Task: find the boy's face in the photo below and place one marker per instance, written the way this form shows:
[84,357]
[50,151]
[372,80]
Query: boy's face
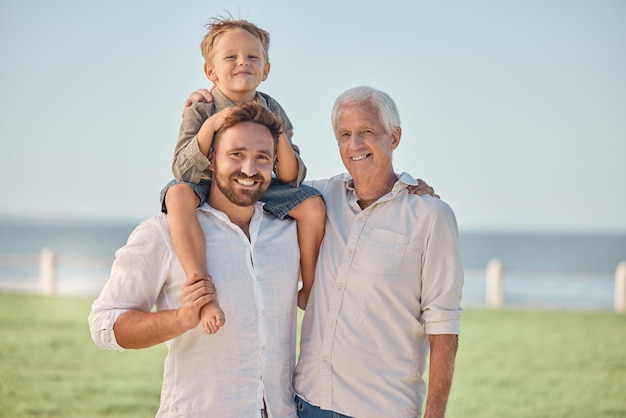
[238,65]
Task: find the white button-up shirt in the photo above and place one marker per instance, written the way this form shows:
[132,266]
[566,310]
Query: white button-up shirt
[387,276]
[251,359]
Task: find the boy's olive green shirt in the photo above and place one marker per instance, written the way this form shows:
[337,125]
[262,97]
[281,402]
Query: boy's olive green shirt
[191,165]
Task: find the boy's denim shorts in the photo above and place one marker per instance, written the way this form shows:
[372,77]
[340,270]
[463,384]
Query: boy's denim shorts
[279,198]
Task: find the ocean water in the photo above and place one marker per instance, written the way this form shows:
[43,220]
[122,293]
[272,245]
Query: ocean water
[83,253]
[543,271]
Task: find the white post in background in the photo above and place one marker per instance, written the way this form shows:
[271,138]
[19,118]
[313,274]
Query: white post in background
[620,287]
[46,272]
[495,284]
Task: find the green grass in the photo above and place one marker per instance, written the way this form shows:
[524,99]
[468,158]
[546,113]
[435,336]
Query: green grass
[510,364]
[540,364]
[49,366]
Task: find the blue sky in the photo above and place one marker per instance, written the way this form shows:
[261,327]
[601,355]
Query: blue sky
[514,111]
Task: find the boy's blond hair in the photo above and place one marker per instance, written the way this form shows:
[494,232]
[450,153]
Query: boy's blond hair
[221,25]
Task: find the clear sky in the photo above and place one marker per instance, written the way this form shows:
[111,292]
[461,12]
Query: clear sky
[514,111]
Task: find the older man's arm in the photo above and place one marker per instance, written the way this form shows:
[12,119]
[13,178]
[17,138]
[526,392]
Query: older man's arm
[443,350]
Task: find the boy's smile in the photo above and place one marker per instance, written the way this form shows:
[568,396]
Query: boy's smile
[238,65]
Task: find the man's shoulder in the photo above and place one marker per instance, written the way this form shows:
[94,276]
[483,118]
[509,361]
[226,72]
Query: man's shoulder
[433,203]
[428,200]
[158,223]
[337,181]
[151,232]
[424,206]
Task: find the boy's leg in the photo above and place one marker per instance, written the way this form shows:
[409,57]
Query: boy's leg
[310,216]
[189,243]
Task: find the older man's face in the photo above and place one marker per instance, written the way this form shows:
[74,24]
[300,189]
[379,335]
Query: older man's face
[364,146]
[242,163]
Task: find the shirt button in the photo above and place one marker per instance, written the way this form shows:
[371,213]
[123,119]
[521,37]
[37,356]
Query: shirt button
[359,220]
[339,285]
[350,250]
[325,357]
[331,322]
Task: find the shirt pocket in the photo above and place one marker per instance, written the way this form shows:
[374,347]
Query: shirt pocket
[382,251]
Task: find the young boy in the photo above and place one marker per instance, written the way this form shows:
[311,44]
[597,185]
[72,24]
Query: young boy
[236,61]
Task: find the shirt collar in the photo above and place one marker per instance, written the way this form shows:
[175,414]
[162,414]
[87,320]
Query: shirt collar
[404,180]
[258,211]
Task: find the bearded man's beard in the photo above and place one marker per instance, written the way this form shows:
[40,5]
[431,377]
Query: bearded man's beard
[240,197]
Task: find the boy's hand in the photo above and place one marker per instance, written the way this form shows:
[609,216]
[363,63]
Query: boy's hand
[218,118]
[422,188]
[209,127]
[200,95]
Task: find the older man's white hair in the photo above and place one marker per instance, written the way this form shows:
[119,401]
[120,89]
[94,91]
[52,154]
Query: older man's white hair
[386,108]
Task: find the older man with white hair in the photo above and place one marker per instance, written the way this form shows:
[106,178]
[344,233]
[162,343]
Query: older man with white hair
[388,281]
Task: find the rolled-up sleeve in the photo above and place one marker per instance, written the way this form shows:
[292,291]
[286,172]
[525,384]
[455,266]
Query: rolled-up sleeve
[101,323]
[139,272]
[442,276]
